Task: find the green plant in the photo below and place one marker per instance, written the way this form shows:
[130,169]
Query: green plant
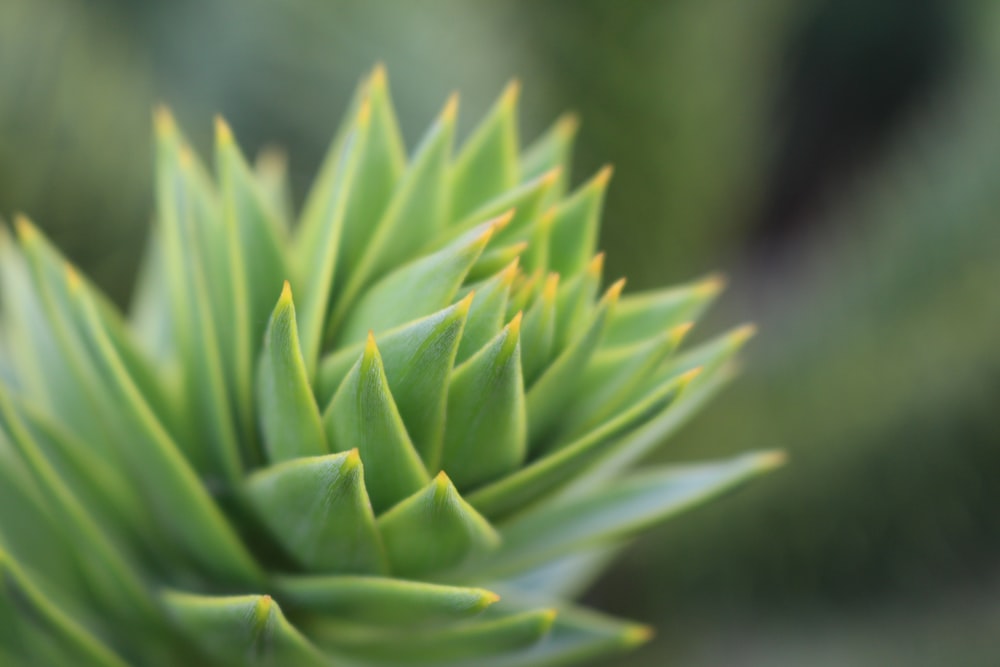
[438,420]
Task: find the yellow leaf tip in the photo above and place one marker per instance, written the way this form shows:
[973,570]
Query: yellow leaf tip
[637,635]
[615,290]
[509,272]
[72,277]
[689,375]
[185,156]
[286,292]
[163,120]
[223,133]
[744,333]
[711,285]
[442,484]
[603,176]
[352,460]
[681,330]
[511,93]
[514,327]
[450,110]
[272,159]
[24,228]
[502,220]
[465,304]
[568,124]
[771,460]
[551,287]
[379,76]
[371,348]
[551,176]
[596,265]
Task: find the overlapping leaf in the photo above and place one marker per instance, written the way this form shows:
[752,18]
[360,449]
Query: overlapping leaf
[440,418]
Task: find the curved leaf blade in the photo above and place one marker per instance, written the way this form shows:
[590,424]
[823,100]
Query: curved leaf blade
[319,510]
[290,420]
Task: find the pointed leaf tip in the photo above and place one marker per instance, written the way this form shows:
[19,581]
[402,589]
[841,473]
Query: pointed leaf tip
[289,416]
[511,93]
[637,636]
[771,460]
[500,222]
[223,133]
[552,175]
[682,330]
[603,176]
[596,265]
[450,110]
[711,285]
[73,280]
[509,272]
[744,333]
[24,228]
[462,307]
[551,287]
[378,76]
[615,290]
[163,120]
[514,327]
[687,376]
[568,124]
[437,510]
[318,510]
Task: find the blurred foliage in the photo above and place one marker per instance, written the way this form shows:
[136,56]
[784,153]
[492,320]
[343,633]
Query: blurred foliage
[674,94]
[878,369]
[841,159]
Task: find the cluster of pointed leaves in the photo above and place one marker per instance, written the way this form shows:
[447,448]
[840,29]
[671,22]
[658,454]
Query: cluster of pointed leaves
[394,433]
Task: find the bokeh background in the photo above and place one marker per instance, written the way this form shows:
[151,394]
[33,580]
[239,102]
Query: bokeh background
[839,160]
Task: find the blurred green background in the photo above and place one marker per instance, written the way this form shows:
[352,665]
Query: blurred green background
[839,160]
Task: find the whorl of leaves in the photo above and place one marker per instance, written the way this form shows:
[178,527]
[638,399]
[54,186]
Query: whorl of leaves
[391,433]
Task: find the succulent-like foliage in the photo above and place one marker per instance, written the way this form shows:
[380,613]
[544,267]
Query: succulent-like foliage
[393,433]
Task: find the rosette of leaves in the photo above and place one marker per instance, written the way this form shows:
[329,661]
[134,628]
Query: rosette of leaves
[392,433]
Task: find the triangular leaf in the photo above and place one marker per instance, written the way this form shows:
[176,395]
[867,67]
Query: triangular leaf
[548,396]
[538,332]
[383,601]
[646,314]
[552,150]
[416,211]
[489,308]
[289,417]
[486,434]
[420,287]
[418,358]
[247,630]
[319,510]
[612,376]
[363,414]
[380,166]
[578,635]
[576,225]
[433,530]
[488,162]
